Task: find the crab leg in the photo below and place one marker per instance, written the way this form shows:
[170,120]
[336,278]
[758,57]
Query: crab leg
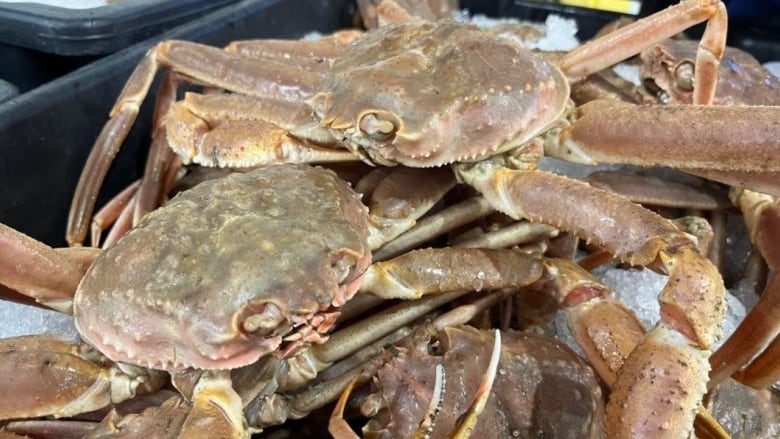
[392,210]
[760,326]
[765,182]
[163,421]
[150,193]
[216,409]
[723,138]
[205,65]
[762,217]
[43,376]
[692,302]
[37,270]
[316,55]
[630,40]
[604,328]
[111,211]
[451,218]
[648,189]
[427,271]
[522,232]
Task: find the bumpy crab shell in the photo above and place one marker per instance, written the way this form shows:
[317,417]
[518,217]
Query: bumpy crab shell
[425,94]
[227,271]
[542,388]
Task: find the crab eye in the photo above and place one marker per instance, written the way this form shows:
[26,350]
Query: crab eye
[684,76]
[380,126]
[264,320]
[343,268]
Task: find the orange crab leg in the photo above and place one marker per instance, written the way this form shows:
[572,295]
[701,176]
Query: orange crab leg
[204,65]
[37,270]
[630,40]
[43,376]
[648,189]
[692,302]
[725,138]
[760,327]
[604,328]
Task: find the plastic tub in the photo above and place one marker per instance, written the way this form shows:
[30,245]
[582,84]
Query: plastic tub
[39,43]
[95,31]
[7,91]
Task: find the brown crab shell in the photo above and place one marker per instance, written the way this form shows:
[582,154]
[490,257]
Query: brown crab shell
[542,388]
[742,80]
[283,244]
[452,92]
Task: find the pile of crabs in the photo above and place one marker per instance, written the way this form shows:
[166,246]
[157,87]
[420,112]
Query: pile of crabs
[353,231]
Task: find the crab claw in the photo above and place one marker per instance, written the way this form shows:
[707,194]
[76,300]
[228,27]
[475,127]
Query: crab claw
[43,376]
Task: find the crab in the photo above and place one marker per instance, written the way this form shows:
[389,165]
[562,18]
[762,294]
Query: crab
[223,288]
[568,399]
[172,306]
[411,94]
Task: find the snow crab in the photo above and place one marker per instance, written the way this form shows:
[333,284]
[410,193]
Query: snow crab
[216,280]
[412,94]
[567,400]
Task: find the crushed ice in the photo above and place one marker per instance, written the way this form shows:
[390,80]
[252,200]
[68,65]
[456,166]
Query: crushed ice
[638,289]
[21,319]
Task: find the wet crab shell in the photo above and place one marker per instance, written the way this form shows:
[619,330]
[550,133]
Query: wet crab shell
[228,271]
[430,94]
[542,388]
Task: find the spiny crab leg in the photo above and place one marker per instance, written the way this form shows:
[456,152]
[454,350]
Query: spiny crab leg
[627,41]
[604,328]
[692,302]
[205,65]
[44,376]
[243,131]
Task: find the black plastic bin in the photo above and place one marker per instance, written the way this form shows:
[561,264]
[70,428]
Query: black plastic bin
[7,91]
[40,42]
